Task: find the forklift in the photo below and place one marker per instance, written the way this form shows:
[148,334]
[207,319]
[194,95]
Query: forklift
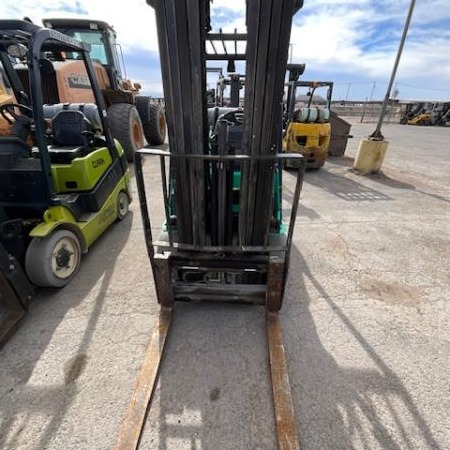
[236,83]
[307,128]
[224,237]
[437,113]
[63,178]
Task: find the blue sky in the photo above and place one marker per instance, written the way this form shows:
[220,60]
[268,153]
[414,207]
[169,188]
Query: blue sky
[350,42]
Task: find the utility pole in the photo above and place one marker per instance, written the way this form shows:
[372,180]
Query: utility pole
[371,92]
[348,91]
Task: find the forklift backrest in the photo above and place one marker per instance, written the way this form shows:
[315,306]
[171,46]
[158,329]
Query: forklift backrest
[90,110]
[71,128]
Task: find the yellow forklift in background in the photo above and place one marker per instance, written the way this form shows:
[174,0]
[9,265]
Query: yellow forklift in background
[307,128]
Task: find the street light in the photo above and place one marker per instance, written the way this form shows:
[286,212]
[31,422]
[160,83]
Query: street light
[371,151]
[377,133]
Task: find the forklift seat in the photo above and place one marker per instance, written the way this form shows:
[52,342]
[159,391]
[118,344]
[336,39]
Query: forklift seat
[70,128]
[90,110]
[71,132]
[72,125]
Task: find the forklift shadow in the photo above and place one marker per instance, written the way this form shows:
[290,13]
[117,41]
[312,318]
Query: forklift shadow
[343,187]
[385,180]
[302,211]
[343,407]
[27,400]
[214,389]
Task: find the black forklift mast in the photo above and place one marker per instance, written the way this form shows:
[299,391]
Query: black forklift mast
[220,243]
[232,243]
[294,72]
[183,29]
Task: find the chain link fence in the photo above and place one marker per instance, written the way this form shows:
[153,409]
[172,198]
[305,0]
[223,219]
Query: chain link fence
[368,112]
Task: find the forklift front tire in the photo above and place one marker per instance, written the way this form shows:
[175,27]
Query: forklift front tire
[122,205]
[54,260]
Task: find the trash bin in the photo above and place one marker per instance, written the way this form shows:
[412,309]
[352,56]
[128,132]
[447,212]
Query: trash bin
[340,132]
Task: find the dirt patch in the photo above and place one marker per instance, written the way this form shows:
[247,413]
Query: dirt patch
[74,367]
[214,394]
[392,292]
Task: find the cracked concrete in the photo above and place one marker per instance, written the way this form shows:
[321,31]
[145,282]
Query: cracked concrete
[366,322]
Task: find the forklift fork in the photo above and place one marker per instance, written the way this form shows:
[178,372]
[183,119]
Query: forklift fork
[15,292]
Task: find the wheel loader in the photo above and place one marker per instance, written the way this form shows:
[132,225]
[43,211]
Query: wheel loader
[63,178]
[133,118]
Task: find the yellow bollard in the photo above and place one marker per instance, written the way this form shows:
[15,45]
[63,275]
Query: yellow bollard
[370,156]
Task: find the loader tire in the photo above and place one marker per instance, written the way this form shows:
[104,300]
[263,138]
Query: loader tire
[153,120]
[126,127]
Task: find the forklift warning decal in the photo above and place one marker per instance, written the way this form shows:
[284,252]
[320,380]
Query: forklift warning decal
[79,81]
[98,162]
[106,214]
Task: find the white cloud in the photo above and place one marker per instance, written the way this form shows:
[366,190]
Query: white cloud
[134,20]
[348,40]
[359,40]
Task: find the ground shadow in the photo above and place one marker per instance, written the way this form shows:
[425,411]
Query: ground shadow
[303,210]
[21,403]
[214,388]
[345,161]
[342,407]
[383,179]
[343,187]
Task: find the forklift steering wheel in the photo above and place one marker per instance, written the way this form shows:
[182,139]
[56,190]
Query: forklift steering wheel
[8,108]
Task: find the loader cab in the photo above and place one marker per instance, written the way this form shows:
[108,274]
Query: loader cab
[102,39]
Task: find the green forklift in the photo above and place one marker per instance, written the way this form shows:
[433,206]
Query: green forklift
[63,178]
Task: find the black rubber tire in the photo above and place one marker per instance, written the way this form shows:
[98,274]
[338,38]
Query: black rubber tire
[123,203]
[43,253]
[126,127]
[153,120]
[336,152]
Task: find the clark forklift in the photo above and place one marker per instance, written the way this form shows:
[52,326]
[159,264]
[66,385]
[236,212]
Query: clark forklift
[132,116]
[224,237]
[63,178]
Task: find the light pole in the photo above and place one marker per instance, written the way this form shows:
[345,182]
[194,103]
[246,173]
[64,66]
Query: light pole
[371,151]
[291,51]
[376,135]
